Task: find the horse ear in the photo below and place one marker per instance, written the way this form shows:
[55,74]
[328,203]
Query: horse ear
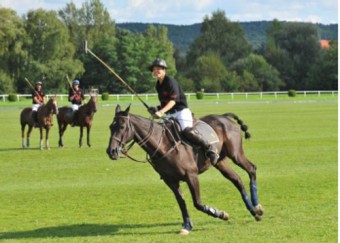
[117,109]
[128,109]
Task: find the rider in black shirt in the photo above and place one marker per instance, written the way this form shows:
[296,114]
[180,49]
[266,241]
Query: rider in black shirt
[174,104]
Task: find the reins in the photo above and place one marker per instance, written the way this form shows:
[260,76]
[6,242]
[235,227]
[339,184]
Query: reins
[143,141]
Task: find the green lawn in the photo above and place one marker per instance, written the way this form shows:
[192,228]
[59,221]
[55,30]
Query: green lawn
[79,195]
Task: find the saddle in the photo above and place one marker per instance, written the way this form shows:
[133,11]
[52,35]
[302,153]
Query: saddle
[203,128]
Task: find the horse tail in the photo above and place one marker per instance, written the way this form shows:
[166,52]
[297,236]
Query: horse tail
[243,126]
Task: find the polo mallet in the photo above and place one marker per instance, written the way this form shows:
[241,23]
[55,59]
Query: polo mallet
[114,73]
[31,86]
[69,82]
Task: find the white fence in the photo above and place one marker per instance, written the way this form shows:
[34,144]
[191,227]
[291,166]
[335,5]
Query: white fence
[212,95]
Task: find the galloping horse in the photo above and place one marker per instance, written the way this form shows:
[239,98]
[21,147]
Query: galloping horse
[177,161]
[85,118]
[45,121]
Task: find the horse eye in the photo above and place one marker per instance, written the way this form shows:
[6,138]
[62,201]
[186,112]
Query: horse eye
[112,124]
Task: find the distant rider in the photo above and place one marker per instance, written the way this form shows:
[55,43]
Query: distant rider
[76,97]
[38,99]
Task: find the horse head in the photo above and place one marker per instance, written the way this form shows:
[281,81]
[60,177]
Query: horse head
[93,103]
[53,105]
[122,132]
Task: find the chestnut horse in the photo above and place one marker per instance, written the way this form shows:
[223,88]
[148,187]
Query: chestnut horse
[177,161]
[85,118]
[45,121]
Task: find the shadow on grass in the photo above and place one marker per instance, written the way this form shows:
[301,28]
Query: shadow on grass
[10,149]
[81,230]
[29,149]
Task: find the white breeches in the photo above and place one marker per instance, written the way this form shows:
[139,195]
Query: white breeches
[75,107]
[184,117]
[35,107]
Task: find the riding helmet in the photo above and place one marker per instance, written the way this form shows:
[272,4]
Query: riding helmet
[38,83]
[75,82]
[158,63]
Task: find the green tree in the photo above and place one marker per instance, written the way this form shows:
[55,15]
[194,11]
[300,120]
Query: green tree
[231,82]
[293,48]
[70,16]
[208,72]
[96,75]
[50,52]
[12,54]
[324,74]
[266,76]
[221,36]
[248,82]
[91,22]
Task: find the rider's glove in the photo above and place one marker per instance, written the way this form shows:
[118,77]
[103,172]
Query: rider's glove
[158,114]
[152,110]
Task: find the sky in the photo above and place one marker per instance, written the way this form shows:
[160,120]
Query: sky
[187,12]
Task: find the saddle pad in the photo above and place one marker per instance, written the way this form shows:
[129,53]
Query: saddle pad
[207,132]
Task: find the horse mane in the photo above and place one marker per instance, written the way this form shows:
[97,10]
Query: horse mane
[243,126]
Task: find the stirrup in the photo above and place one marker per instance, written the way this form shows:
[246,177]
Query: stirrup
[213,156]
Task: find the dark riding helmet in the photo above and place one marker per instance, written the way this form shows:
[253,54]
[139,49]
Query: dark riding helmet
[38,83]
[75,82]
[158,63]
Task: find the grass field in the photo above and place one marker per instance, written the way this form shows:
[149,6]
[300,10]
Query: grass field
[79,195]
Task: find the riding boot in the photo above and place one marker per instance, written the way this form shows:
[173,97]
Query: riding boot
[195,137]
[35,118]
[74,118]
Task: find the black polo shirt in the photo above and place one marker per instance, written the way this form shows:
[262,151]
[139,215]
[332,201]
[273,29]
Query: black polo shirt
[38,94]
[170,90]
[78,98]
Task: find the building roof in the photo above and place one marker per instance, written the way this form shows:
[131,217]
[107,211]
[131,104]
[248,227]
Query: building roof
[324,43]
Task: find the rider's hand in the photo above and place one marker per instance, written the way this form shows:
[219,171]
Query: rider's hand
[152,110]
[158,114]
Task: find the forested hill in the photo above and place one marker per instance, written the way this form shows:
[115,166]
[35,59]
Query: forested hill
[183,35]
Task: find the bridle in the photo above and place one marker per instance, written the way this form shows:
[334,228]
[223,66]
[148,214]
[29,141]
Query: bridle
[143,141]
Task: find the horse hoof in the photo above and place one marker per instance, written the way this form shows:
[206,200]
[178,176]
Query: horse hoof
[259,209]
[184,232]
[225,216]
[258,217]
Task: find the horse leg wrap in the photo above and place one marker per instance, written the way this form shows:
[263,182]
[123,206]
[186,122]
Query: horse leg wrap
[253,193]
[248,203]
[213,212]
[187,224]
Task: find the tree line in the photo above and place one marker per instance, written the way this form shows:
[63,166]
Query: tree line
[49,45]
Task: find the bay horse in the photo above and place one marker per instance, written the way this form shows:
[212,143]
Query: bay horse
[45,121]
[177,161]
[85,118]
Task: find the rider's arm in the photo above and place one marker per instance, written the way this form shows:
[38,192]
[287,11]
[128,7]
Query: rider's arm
[36,99]
[168,106]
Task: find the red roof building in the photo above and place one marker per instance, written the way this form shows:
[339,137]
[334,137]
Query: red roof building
[324,43]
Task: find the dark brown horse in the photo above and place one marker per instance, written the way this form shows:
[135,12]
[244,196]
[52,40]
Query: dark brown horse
[177,161]
[85,118]
[45,121]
